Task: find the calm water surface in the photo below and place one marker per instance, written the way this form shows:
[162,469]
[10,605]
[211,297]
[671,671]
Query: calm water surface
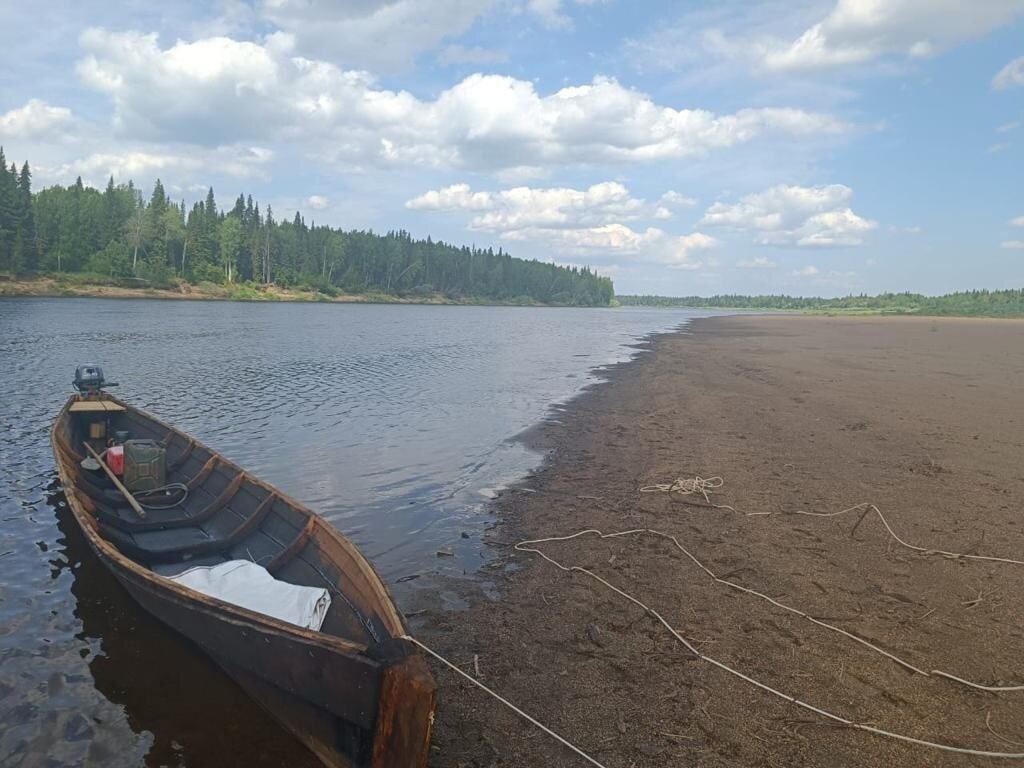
[393,422]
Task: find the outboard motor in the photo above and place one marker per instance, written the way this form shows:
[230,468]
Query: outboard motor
[89,379]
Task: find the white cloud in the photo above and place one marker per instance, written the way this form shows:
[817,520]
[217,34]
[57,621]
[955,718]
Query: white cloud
[379,35]
[809,271]
[218,90]
[1017,222]
[1007,127]
[575,222]
[317,202]
[653,245]
[858,31]
[459,54]
[96,168]
[727,39]
[673,198]
[1010,76]
[36,120]
[758,262]
[1012,244]
[548,208]
[791,215]
[452,198]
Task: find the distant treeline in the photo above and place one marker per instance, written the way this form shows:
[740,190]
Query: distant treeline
[117,234]
[964,303]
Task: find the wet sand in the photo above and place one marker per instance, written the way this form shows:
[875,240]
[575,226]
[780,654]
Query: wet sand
[923,417]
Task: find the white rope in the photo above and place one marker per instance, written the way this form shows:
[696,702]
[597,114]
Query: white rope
[869,507]
[686,486]
[778,604]
[504,701]
[523,546]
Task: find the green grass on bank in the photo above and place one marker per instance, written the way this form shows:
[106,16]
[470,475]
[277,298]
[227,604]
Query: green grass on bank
[91,284]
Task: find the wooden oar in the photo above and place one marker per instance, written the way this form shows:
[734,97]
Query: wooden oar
[117,483]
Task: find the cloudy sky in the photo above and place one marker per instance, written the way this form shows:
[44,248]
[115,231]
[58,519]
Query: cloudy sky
[682,148]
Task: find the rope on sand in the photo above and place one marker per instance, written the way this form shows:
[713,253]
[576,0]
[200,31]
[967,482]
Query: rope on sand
[503,700]
[867,506]
[528,546]
[686,486]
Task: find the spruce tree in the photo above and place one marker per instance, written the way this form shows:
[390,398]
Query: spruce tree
[29,253]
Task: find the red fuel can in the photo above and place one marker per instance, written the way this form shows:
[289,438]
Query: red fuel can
[115,459]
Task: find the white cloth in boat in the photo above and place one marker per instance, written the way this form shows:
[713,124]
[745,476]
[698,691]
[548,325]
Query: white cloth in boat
[246,584]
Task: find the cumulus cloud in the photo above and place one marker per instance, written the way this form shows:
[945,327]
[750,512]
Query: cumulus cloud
[857,31]
[575,221]
[792,215]
[529,207]
[851,34]
[652,245]
[1012,244]
[97,167]
[809,271]
[1010,76]
[758,262]
[1017,222]
[37,120]
[220,90]
[380,35]
[317,202]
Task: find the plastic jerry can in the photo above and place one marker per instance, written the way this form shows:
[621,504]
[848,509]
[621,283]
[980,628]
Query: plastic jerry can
[115,459]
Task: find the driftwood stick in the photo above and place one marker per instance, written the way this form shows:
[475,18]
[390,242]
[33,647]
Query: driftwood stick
[117,483]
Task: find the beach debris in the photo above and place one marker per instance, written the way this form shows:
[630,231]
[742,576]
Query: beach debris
[445,553]
[595,635]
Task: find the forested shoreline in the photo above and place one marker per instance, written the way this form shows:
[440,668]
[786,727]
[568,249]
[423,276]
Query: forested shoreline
[115,236]
[1000,303]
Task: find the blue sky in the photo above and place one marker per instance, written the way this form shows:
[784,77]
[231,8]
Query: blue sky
[805,147]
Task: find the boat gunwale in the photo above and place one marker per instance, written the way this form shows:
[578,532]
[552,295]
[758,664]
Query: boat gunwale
[237,614]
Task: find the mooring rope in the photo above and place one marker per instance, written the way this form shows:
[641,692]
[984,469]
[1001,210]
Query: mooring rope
[778,604]
[869,507]
[523,546]
[686,486]
[504,701]
[702,486]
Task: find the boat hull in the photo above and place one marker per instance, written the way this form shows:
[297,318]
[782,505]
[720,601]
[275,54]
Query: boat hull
[351,707]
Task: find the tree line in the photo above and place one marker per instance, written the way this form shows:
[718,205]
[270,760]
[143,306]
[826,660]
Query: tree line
[116,234]
[980,302]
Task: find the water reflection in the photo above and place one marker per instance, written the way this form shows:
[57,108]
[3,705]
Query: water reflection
[188,711]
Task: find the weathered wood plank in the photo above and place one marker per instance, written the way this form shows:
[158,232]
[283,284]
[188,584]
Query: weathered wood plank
[405,716]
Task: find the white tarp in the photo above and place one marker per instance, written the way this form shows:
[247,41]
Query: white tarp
[246,584]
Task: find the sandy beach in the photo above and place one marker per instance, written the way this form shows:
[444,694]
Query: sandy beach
[922,417]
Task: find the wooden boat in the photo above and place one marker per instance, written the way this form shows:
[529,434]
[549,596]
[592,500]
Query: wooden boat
[355,692]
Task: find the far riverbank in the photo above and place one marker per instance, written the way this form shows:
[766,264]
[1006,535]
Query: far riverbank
[49,287]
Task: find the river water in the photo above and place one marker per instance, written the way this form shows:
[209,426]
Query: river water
[396,423]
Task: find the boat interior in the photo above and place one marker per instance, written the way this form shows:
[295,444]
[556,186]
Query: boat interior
[225,515]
